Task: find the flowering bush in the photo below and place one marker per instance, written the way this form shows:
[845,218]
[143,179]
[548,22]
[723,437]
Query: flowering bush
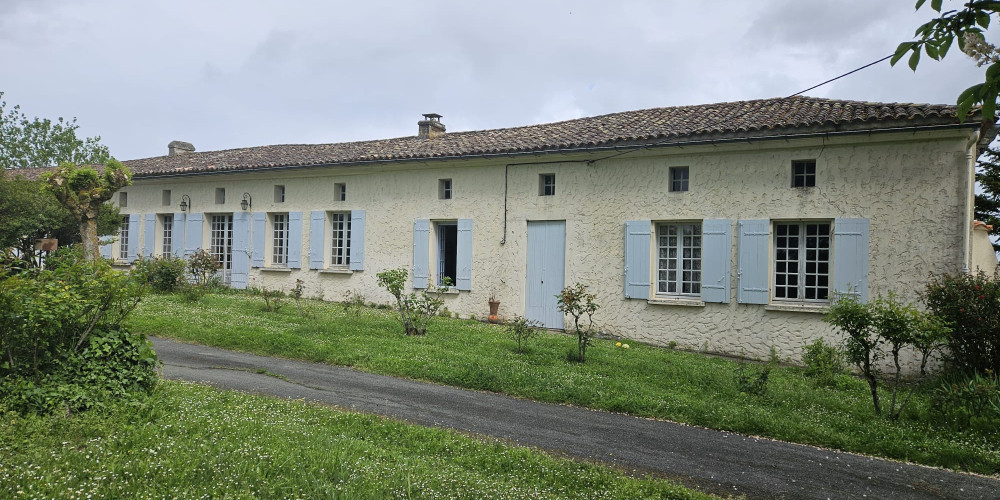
[414,310]
[970,305]
[575,301]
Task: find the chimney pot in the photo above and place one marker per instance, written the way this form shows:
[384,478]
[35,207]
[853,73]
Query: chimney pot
[179,148]
[430,127]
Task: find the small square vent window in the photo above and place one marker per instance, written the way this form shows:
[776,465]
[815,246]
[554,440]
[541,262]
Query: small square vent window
[803,173]
[220,196]
[444,189]
[279,194]
[679,179]
[340,191]
[547,185]
[166,197]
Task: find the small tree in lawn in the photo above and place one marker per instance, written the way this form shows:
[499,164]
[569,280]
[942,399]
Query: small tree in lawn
[575,301]
[862,343]
[415,311]
[82,191]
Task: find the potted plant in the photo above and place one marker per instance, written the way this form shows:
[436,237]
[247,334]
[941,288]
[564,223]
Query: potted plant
[494,307]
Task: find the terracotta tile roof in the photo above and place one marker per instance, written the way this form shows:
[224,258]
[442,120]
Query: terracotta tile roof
[766,117]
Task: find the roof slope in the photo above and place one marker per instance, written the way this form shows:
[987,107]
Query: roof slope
[675,124]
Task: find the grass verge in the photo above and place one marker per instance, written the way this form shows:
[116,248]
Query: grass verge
[192,441]
[642,380]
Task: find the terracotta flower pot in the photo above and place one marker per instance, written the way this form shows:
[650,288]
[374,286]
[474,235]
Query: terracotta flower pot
[494,307]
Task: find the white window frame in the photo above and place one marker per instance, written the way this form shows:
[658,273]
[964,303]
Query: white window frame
[221,243]
[445,189]
[167,234]
[340,239]
[279,239]
[546,184]
[678,273]
[810,272]
[123,237]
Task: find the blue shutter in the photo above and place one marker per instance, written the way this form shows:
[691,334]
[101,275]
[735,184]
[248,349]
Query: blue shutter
[192,234]
[637,240]
[463,257]
[240,274]
[850,257]
[133,237]
[317,239]
[754,244]
[257,252]
[357,240]
[716,247]
[421,255]
[177,235]
[106,249]
[294,240]
[149,236]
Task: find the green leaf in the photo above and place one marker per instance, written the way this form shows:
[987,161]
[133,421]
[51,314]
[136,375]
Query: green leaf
[944,46]
[936,5]
[919,3]
[901,50]
[983,19]
[931,51]
[967,99]
[914,59]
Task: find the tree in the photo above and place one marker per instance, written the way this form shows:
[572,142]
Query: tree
[83,191]
[967,25]
[988,202]
[40,142]
[28,212]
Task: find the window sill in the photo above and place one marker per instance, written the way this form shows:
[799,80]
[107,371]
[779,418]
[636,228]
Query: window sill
[275,269]
[802,308]
[679,301]
[121,263]
[336,270]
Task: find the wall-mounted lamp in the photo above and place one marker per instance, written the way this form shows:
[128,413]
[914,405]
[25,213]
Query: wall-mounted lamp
[185,203]
[247,201]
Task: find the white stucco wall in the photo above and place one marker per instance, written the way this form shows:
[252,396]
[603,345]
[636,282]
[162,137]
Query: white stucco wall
[984,258]
[912,188]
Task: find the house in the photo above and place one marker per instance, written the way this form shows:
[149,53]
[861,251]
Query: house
[726,227]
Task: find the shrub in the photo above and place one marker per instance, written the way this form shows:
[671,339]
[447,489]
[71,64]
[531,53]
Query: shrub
[824,362]
[890,322]
[354,302]
[969,401]
[274,300]
[752,378]
[164,274]
[861,346]
[522,330]
[968,303]
[414,310]
[202,267]
[61,337]
[575,301]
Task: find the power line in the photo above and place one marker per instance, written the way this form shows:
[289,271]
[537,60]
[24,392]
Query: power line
[748,111]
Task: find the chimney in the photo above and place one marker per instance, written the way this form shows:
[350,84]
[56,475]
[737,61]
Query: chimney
[179,148]
[430,127]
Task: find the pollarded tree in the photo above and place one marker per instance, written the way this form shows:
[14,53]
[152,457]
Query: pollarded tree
[82,190]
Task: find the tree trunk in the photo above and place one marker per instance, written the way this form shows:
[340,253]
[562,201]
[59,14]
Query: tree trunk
[88,232]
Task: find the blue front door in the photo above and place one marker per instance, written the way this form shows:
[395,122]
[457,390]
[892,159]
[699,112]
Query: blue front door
[546,271]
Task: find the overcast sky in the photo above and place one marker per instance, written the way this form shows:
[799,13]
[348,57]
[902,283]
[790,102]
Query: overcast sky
[227,74]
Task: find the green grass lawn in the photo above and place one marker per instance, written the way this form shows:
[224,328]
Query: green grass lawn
[643,380]
[192,441]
